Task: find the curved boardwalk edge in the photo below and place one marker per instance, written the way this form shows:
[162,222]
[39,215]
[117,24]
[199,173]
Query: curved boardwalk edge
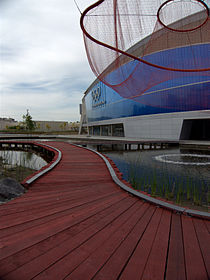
[34,176]
[148,198]
[56,159]
[75,222]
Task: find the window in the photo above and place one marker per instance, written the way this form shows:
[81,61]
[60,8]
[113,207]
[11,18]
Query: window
[96,130]
[118,130]
[105,130]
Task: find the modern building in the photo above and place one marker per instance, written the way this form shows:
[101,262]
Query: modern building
[176,108]
[112,115]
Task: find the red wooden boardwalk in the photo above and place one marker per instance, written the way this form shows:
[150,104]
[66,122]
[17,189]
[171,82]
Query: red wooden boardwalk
[76,223]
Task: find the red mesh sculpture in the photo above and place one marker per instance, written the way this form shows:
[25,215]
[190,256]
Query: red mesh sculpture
[140,46]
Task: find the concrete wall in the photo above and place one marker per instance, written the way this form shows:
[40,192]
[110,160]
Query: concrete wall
[51,126]
[6,122]
[159,126]
[46,126]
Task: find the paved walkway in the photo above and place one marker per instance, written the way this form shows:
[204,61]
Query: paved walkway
[76,223]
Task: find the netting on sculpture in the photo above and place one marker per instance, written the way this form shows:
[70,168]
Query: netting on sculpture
[139,46]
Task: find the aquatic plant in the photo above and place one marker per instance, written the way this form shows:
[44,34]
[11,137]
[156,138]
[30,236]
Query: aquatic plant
[18,165]
[154,185]
[188,186]
[208,195]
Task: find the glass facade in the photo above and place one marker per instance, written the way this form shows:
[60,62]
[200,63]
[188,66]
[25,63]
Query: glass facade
[107,130]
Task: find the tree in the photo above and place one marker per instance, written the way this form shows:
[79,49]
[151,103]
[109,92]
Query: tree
[48,126]
[28,122]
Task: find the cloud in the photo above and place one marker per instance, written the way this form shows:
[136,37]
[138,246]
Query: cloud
[59,105]
[43,62]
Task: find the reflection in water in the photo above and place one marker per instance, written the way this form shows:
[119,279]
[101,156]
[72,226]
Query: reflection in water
[21,158]
[176,175]
[185,159]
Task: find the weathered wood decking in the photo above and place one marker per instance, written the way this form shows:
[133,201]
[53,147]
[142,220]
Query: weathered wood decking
[76,223]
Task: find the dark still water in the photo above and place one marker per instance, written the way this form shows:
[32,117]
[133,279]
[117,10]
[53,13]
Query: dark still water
[19,164]
[22,158]
[181,176]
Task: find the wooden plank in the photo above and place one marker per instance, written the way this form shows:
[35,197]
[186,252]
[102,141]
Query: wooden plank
[88,268]
[204,242]
[76,223]
[59,255]
[20,258]
[156,269]
[135,266]
[29,237]
[195,267]
[30,215]
[44,202]
[75,255]
[34,223]
[76,210]
[116,263]
[36,201]
[176,262]
[207,224]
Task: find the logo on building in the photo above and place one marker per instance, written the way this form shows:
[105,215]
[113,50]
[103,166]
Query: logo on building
[98,98]
[96,95]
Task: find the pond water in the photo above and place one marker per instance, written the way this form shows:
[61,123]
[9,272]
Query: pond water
[19,164]
[181,176]
[21,158]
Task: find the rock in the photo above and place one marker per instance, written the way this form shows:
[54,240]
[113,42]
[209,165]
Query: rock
[10,188]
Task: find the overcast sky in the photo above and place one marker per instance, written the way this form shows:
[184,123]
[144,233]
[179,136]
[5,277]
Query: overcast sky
[43,64]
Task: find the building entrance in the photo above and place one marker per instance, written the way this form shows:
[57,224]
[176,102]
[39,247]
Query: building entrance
[198,129]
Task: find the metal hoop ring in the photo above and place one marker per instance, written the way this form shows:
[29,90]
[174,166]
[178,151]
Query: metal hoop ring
[185,30]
